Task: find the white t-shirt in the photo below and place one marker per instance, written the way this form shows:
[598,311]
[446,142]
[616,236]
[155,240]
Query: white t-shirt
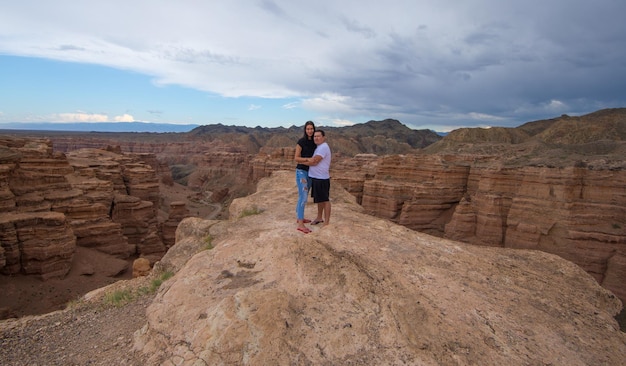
[322,169]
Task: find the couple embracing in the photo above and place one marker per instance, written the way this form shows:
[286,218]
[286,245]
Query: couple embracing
[313,159]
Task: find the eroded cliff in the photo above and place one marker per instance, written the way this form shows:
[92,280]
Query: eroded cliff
[366,291]
[52,202]
[577,213]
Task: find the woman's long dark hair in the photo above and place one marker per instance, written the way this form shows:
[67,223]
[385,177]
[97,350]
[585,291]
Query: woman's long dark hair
[306,124]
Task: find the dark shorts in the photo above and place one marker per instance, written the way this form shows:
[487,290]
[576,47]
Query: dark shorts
[320,190]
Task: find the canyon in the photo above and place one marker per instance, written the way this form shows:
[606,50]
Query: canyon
[556,185]
[365,291]
[252,290]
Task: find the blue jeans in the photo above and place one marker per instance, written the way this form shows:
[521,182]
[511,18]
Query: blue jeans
[304,182]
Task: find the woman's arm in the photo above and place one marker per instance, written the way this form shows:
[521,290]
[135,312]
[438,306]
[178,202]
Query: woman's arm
[298,155]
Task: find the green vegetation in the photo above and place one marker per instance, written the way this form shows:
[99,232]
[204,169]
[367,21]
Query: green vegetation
[617,226]
[250,211]
[74,304]
[208,242]
[120,298]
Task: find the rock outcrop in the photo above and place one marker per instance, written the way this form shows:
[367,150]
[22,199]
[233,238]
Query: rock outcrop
[367,291]
[37,243]
[177,212]
[577,213]
[128,224]
[35,235]
[52,202]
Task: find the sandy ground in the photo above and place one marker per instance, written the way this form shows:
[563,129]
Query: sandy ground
[27,295]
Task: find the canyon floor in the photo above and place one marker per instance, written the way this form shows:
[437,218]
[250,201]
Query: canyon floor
[27,295]
[84,333]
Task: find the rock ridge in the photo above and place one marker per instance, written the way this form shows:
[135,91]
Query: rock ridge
[367,291]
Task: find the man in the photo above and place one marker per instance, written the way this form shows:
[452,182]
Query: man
[319,172]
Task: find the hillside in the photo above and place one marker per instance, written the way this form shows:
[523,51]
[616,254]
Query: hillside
[563,141]
[376,137]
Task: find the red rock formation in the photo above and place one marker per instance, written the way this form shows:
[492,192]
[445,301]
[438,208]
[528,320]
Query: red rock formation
[38,243]
[91,198]
[139,225]
[141,267]
[131,204]
[141,181]
[476,198]
[575,212]
[270,159]
[417,191]
[367,292]
[178,211]
[217,170]
[352,174]
[35,236]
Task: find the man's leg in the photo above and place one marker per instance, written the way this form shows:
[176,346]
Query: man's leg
[320,211]
[326,212]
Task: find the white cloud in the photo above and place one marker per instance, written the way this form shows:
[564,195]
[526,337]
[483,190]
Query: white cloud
[80,117]
[124,118]
[343,122]
[329,103]
[90,117]
[291,105]
[556,106]
[485,117]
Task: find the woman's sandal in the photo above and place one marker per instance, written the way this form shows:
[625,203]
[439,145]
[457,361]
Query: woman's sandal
[305,230]
[315,222]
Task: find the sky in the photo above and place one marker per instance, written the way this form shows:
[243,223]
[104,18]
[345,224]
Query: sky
[436,65]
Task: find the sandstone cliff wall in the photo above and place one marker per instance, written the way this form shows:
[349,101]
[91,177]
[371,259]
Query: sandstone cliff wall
[578,213]
[365,291]
[52,202]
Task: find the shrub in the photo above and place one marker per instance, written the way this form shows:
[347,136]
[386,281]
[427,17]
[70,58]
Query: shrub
[208,242]
[250,211]
[120,298]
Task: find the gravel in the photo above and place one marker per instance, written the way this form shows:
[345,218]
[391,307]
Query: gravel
[86,333]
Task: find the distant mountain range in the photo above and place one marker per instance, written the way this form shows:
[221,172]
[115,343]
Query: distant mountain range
[110,127]
[100,127]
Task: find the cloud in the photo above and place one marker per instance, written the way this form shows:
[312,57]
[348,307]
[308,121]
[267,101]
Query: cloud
[484,62]
[291,105]
[253,107]
[124,118]
[485,117]
[343,122]
[328,103]
[80,117]
[90,117]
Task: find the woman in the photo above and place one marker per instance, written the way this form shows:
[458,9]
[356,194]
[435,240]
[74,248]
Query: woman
[304,149]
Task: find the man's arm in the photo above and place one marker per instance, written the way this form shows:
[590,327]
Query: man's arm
[313,161]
